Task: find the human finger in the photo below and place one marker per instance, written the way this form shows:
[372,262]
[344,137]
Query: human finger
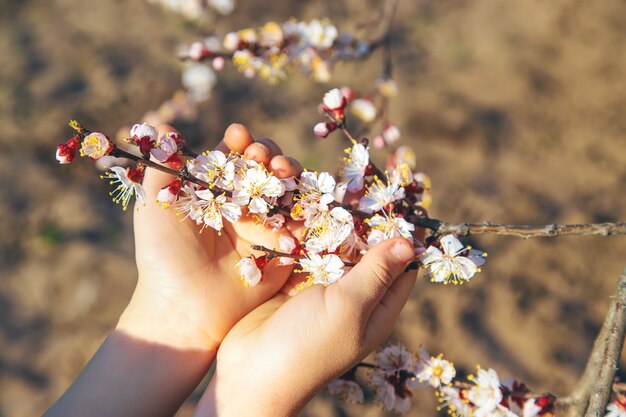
[237,138]
[284,167]
[385,314]
[367,283]
[262,151]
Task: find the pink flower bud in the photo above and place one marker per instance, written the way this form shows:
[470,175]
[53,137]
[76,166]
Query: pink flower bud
[334,100]
[144,130]
[198,51]
[218,63]
[323,129]
[165,148]
[348,93]
[169,194]
[378,142]
[391,134]
[144,136]
[231,41]
[66,152]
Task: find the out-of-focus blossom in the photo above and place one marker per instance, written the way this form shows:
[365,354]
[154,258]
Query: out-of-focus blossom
[349,391]
[387,87]
[364,109]
[198,80]
[391,134]
[321,34]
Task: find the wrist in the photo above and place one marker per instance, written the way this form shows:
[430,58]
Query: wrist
[165,320]
[223,398]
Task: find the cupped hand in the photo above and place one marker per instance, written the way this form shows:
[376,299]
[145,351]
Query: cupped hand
[189,293]
[287,349]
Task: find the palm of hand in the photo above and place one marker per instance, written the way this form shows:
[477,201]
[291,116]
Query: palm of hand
[177,262]
[328,328]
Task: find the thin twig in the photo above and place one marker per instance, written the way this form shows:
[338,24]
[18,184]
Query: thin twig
[120,153]
[440,227]
[296,256]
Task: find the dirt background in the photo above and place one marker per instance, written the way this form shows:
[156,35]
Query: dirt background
[516,109]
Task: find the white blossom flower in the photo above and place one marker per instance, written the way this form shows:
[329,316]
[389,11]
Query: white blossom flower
[223,7]
[95,145]
[485,394]
[249,272]
[169,194]
[364,109]
[400,175]
[321,34]
[206,209]
[322,269]
[286,244]
[348,391]
[316,189]
[532,409]
[334,99]
[231,41]
[387,87]
[199,80]
[451,265]
[403,155]
[214,208]
[455,399]
[388,395]
[389,226]
[198,50]
[165,147]
[353,168]
[379,195]
[275,221]
[327,229]
[215,168]
[255,187]
[128,184]
[143,131]
[437,372]
[616,408]
[395,358]
[327,239]
[352,245]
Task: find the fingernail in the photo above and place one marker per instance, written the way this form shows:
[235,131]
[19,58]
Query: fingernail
[402,251]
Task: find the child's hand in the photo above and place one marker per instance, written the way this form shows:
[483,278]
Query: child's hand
[278,356]
[188,296]
[189,293]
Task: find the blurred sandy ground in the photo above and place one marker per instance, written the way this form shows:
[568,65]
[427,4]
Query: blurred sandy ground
[517,111]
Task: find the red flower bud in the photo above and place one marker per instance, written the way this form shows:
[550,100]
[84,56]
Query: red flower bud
[66,152]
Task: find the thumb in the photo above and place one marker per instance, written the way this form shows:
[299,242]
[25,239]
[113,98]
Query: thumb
[367,283]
